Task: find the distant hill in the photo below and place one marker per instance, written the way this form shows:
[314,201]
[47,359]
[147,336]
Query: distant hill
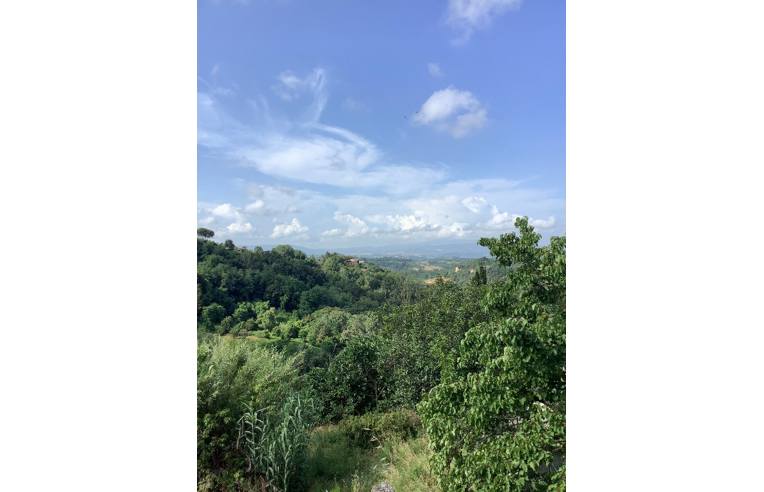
[428,270]
[430,249]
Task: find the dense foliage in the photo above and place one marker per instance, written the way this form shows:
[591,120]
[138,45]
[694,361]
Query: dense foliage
[304,362]
[235,377]
[497,422]
[290,281]
[423,337]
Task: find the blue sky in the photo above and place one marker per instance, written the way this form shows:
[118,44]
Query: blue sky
[336,124]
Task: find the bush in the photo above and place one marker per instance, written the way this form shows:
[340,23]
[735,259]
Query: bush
[355,380]
[227,325]
[212,315]
[372,429]
[235,375]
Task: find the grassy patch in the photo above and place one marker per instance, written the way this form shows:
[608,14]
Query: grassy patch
[408,467]
[337,464]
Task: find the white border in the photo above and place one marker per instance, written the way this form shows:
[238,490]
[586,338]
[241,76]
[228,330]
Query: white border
[98,191]
[97,188]
[664,165]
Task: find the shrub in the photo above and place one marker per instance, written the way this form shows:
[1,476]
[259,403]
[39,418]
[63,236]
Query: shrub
[371,429]
[212,315]
[232,376]
[355,380]
[249,325]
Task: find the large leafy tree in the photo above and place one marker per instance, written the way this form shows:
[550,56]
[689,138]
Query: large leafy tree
[497,422]
[205,233]
[424,337]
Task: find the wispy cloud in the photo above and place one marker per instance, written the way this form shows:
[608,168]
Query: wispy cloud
[467,16]
[352,104]
[306,150]
[452,110]
[434,70]
[290,87]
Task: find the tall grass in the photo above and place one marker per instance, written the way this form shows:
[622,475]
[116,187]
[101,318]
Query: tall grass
[409,468]
[275,452]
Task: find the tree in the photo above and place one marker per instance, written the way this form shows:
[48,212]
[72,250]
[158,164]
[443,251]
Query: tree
[266,318]
[424,337]
[213,314]
[247,310]
[497,422]
[354,381]
[228,244]
[480,277]
[205,233]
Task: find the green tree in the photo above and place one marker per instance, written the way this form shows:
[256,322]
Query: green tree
[266,317]
[213,314]
[226,325]
[424,337]
[480,277]
[354,381]
[497,422]
[246,310]
[205,233]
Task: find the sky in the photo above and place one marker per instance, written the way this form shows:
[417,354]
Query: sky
[336,124]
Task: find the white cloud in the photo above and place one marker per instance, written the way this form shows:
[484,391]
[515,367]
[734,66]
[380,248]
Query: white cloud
[258,206]
[322,157]
[543,223]
[404,223]
[457,229]
[467,209]
[455,111]
[356,226]
[225,210]
[224,218]
[238,227]
[293,228]
[333,156]
[468,122]
[367,196]
[474,203]
[434,70]
[332,232]
[466,16]
[501,219]
[505,220]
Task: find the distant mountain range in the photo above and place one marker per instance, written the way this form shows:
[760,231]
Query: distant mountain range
[432,249]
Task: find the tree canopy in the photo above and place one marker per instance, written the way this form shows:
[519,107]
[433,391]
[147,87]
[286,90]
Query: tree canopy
[497,422]
[205,233]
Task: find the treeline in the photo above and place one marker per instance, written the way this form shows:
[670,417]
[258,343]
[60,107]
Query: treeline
[288,343]
[290,281]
